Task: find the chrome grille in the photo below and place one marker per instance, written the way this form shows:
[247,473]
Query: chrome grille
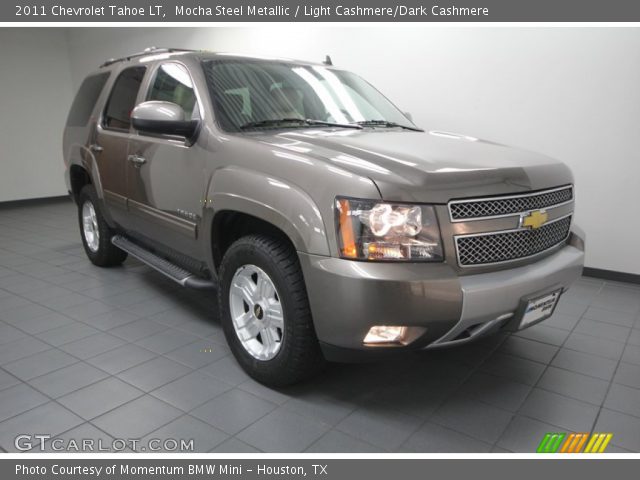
[508,205]
[488,248]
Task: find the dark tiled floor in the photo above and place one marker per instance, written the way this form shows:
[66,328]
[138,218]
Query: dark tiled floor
[89,353]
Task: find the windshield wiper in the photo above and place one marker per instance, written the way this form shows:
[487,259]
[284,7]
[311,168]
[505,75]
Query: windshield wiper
[333,124]
[298,121]
[386,124]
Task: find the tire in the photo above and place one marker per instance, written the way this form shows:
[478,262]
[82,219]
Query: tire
[296,356]
[98,247]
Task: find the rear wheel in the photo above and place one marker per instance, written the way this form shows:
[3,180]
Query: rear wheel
[95,232]
[265,311]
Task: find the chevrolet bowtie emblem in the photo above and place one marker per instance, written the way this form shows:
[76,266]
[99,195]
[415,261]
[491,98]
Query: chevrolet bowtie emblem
[534,219]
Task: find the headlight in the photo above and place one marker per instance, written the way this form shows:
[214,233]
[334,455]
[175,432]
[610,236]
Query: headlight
[381,231]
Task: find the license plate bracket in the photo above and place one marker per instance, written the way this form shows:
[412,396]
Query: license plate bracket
[538,308]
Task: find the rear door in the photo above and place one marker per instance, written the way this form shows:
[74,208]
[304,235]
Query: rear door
[110,145]
[166,183]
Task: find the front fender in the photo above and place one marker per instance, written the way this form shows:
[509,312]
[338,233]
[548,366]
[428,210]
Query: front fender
[276,201]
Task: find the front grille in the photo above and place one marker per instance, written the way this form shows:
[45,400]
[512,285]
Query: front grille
[514,204]
[510,245]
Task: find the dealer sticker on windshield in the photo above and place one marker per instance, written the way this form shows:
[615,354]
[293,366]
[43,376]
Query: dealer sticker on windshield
[540,308]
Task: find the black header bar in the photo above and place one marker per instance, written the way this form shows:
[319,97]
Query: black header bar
[65,11]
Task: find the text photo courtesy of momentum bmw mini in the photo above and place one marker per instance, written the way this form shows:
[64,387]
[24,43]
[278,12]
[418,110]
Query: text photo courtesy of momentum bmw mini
[330,226]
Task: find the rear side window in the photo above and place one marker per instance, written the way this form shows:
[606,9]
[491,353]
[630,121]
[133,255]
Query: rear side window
[86,99]
[173,84]
[117,115]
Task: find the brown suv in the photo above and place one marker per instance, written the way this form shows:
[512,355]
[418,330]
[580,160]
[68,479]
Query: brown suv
[331,225]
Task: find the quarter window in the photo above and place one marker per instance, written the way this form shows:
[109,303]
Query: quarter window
[173,84]
[123,98]
[85,100]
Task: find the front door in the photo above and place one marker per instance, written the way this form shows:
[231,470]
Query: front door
[165,173]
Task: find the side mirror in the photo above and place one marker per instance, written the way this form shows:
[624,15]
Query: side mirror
[164,118]
[409,116]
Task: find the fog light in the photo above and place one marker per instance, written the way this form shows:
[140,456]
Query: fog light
[385,334]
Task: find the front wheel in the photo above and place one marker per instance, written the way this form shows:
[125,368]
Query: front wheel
[265,312]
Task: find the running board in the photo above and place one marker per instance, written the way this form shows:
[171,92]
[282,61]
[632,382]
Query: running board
[165,267]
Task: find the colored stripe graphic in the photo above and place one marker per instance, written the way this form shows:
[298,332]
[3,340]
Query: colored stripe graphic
[581,443]
[592,442]
[551,442]
[598,443]
[574,443]
[605,442]
[568,444]
[558,442]
[543,443]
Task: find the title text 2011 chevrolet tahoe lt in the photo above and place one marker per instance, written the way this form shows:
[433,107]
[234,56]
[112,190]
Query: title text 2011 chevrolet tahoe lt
[332,226]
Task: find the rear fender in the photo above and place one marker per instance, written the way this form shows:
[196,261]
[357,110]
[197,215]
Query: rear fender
[81,156]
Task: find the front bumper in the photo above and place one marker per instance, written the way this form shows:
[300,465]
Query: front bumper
[438,307]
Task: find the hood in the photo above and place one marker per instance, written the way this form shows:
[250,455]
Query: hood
[432,167]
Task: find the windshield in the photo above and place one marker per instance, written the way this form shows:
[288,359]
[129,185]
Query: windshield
[257,94]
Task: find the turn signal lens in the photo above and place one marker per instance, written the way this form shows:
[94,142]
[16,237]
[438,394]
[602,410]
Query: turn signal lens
[348,247]
[377,231]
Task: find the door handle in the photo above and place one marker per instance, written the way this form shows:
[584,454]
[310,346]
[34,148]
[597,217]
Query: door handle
[137,160]
[95,148]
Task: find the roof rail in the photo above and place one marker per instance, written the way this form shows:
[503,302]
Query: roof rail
[146,51]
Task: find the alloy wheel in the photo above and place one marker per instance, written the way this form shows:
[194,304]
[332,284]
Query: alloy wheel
[90,226]
[256,311]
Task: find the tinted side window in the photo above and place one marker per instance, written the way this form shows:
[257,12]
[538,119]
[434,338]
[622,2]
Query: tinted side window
[123,98]
[173,84]
[86,99]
